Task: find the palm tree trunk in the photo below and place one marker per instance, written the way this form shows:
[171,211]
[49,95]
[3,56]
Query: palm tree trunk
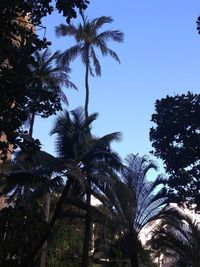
[133,249]
[86,244]
[87,84]
[32,120]
[44,247]
[134,260]
[26,261]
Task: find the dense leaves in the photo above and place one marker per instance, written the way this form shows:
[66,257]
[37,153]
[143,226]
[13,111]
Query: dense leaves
[176,140]
[52,197]
[15,226]
[18,42]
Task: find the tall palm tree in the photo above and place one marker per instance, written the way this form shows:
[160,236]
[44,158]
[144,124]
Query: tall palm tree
[88,37]
[90,154]
[80,154]
[48,77]
[139,201]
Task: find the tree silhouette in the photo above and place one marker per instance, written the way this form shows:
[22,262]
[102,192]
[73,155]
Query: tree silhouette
[88,37]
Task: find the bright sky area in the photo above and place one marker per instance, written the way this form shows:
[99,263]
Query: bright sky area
[160,55]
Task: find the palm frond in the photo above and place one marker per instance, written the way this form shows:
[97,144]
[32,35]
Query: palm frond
[99,22]
[69,55]
[75,174]
[178,232]
[49,186]
[99,149]
[108,138]
[72,132]
[96,63]
[116,36]
[65,30]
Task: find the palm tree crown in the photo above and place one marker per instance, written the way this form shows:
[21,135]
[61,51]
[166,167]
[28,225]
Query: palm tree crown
[88,37]
[91,156]
[139,202]
[51,74]
[49,80]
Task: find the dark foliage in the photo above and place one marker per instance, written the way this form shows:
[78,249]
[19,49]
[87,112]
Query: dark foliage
[176,140]
[18,42]
[177,236]
[198,25]
[15,241]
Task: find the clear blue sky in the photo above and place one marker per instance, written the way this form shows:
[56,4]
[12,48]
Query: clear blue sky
[160,55]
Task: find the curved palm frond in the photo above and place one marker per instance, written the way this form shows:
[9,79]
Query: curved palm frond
[69,55]
[178,232]
[72,132]
[112,54]
[28,183]
[48,78]
[99,22]
[96,63]
[116,36]
[137,201]
[65,30]
[98,149]
[50,74]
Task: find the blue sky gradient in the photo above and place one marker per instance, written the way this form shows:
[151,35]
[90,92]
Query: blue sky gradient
[160,55]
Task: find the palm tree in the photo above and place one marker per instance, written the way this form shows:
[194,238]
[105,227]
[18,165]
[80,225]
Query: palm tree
[88,37]
[48,77]
[178,234]
[29,186]
[30,177]
[90,154]
[82,158]
[139,203]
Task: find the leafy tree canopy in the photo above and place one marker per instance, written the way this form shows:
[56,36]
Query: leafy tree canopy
[18,41]
[176,140]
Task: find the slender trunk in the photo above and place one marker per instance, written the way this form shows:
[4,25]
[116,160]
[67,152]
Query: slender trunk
[87,84]
[86,244]
[105,236]
[26,262]
[30,219]
[133,249]
[134,260]
[32,120]
[44,247]
[93,239]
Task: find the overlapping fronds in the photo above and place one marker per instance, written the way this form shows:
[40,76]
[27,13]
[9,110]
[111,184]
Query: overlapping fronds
[179,232]
[88,37]
[147,202]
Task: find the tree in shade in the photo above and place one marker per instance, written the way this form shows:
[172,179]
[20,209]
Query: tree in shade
[91,155]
